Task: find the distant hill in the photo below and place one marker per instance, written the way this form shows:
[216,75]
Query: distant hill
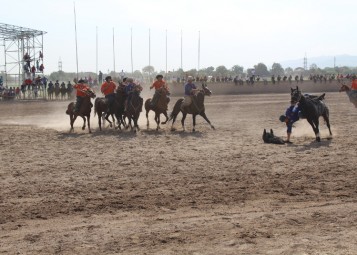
[322,62]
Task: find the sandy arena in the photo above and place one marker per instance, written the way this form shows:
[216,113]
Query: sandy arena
[217,191]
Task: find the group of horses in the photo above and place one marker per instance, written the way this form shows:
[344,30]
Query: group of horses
[56,92]
[312,108]
[123,109]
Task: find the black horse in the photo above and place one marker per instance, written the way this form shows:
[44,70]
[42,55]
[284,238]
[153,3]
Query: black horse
[119,105]
[101,106]
[311,109]
[134,107]
[196,108]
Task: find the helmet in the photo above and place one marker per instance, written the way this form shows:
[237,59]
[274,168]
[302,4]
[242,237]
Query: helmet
[282,118]
[159,76]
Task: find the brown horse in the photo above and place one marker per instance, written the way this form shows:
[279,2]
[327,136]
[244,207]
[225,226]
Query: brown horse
[83,112]
[196,108]
[159,108]
[352,95]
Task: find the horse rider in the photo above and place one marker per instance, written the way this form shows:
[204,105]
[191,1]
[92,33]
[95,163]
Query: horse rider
[130,88]
[108,88]
[290,117]
[81,88]
[158,84]
[50,85]
[63,85]
[354,84]
[190,90]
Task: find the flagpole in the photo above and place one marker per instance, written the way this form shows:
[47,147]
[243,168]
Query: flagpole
[149,55]
[113,52]
[181,50]
[131,50]
[166,55]
[75,30]
[96,53]
[199,45]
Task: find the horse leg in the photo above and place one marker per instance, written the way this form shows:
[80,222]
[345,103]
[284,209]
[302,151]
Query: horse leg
[183,120]
[147,118]
[88,120]
[327,120]
[167,118]
[157,120]
[193,122]
[100,120]
[205,117]
[107,118]
[315,126]
[136,126]
[84,123]
[172,125]
[72,119]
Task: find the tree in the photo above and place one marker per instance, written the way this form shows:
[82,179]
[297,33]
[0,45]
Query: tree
[209,70]
[237,70]
[276,69]
[148,70]
[221,70]
[261,70]
[289,71]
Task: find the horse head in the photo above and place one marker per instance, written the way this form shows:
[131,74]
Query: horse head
[295,95]
[206,91]
[344,87]
[90,93]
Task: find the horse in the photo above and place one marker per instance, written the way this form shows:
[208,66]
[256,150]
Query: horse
[83,112]
[196,108]
[100,107]
[50,92]
[119,105]
[63,91]
[134,107]
[159,108]
[57,92]
[352,95]
[311,109]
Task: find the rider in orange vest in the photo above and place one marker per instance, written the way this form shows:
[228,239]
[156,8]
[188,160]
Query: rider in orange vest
[108,88]
[354,83]
[158,84]
[81,93]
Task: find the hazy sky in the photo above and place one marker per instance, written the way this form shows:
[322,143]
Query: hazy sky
[231,31]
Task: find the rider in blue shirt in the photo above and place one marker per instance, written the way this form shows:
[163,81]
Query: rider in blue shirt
[290,117]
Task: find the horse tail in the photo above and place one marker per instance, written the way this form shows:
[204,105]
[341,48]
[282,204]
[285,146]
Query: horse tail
[70,108]
[176,110]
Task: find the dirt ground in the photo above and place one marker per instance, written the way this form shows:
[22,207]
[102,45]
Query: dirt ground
[217,191]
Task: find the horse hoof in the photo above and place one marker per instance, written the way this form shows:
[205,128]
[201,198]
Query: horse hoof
[213,128]
[318,139]
[173,129]
[83,128]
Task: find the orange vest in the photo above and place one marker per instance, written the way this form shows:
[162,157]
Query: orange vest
[158,84]
[80,89]
[108,88]
[354,84]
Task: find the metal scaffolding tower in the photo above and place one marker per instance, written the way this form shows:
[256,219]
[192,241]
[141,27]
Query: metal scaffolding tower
[16,42]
